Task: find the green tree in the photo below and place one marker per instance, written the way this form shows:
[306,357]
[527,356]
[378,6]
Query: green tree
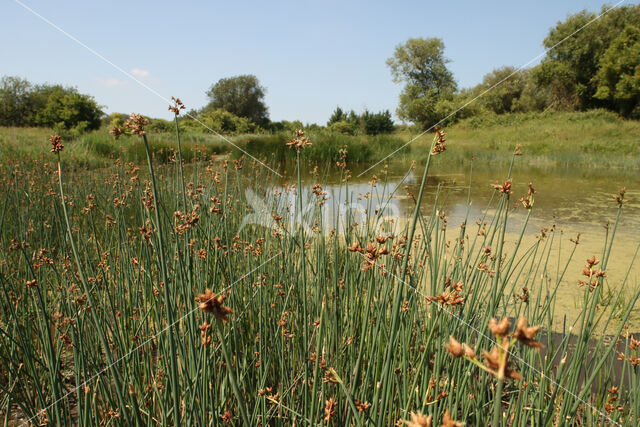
[377,123]
[66,108]
[222,121]
[532,97]
[503,87]
[242,96]
[575,49]
[421,65]
[618,79]
[337,116]
[15,106]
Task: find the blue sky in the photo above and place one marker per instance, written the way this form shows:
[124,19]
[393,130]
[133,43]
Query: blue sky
[311,56]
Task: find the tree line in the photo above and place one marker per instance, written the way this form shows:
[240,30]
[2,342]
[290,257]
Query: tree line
[586,66]
[595,67]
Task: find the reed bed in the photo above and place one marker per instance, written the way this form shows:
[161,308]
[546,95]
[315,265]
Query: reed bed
[137,297]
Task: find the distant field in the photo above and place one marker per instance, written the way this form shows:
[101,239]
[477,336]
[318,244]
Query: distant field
[594,138]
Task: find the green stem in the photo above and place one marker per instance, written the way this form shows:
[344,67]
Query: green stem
[232,377]
[175,386]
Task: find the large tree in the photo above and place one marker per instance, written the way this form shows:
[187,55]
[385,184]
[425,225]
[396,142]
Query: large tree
[66,108]
[618,78]
[23,104]
[421,65]
[15,108]
[573,59]
[240,95]
[501,88]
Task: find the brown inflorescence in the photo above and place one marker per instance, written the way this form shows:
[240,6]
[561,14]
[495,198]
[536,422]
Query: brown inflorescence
[619,198]
[329,409]
[56,144]
[504,188]
[447,421]
[212,303]
[439,146]
[300,141]
[526,334]
[500,329]
[419,420]
[136,124]
[116,131]
[177,106]
[498,361]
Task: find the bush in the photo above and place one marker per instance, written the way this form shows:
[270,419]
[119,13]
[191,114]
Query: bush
[160,126]
[343,127]
[376,123]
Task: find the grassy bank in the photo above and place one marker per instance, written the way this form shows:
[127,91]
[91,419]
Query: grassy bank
[593,138]
[589,139]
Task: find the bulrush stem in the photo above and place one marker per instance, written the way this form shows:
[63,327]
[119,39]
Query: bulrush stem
[304,274]
[175,386]
[184,190]
[497,401]
[232,378]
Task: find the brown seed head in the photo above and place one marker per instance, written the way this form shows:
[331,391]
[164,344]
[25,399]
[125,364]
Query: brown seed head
[526,334]
[116,131]
[329,409]
[419,420]
[454,347]
[177,106]
[494,362]
[447,421]
[499,329]
[212,303]
[362,407]
[468,351]
[136,124]
[504,188]
[56,144]
[439,145]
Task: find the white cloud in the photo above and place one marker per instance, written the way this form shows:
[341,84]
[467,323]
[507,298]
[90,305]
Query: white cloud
[110,82]
[139,72]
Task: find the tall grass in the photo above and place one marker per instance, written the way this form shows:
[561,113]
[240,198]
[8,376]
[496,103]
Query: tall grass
[105,318]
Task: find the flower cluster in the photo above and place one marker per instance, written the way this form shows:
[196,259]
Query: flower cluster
[136,124]
[450,296]
[496,362]
[56,144]
[300,141]
[212,303]
[420,420]
[619,198]
[116,131]
[439,140]
[504,188]
[177,106]
[593,276]
[527,201]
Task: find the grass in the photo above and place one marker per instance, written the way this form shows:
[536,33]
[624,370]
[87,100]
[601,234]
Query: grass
[595,138]
[106,315]
[592,139]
